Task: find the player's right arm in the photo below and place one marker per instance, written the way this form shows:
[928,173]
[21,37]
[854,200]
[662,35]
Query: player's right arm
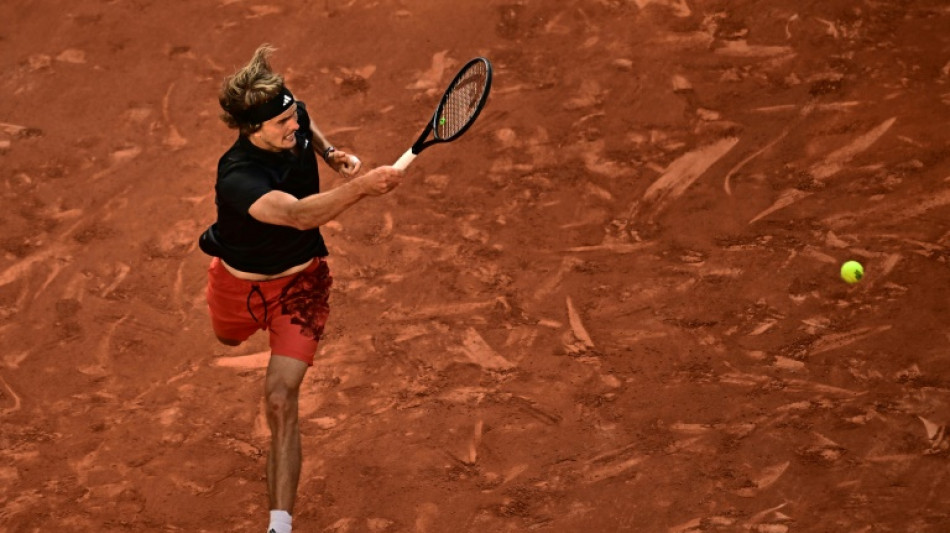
[283,209]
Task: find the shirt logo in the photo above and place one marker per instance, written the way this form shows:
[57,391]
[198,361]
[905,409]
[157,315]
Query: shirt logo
[287,100]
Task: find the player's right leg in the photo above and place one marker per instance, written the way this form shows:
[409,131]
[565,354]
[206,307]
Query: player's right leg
[232,303]
[228,342]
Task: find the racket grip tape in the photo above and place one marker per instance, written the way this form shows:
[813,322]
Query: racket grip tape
[404,160]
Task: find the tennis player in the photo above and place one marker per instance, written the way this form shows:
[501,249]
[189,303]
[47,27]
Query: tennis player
[268,269]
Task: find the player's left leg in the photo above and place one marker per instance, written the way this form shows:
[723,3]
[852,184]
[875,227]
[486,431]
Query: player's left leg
[282,390]
[297,314]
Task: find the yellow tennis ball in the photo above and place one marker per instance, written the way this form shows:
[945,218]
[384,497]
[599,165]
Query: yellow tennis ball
[852,271]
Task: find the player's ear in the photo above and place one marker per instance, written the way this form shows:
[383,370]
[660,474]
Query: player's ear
[303,117]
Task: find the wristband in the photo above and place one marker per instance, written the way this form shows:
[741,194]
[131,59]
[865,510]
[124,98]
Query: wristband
[327,152]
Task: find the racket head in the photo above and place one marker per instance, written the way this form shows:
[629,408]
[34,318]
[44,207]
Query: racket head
[463,100]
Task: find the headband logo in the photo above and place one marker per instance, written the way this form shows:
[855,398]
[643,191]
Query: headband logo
[269,109]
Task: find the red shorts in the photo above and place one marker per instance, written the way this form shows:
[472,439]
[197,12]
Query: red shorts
[294,309]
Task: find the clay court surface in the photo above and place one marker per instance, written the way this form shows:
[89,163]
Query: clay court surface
[613,305]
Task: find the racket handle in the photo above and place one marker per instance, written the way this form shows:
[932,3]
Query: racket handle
[404,160]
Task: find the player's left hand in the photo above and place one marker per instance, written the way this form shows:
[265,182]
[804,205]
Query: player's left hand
[346,164]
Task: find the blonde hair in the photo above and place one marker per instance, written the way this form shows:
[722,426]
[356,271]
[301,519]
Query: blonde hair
[253,84]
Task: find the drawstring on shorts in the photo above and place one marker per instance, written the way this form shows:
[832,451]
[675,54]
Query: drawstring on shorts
[255,288]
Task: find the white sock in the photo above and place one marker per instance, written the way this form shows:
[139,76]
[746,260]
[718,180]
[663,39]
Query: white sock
[280,522]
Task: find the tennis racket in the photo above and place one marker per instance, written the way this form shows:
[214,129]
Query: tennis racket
[458,109]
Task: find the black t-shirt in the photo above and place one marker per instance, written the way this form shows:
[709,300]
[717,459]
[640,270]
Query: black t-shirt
[245,173]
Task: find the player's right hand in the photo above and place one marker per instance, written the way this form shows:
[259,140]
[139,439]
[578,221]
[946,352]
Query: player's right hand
[380,180]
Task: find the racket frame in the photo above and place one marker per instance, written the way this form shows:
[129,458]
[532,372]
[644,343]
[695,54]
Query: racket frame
[432,126]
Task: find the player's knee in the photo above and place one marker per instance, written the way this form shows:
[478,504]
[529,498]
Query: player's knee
[228,342]
[281,403]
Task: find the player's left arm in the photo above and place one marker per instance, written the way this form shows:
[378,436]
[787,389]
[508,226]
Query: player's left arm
[347,165]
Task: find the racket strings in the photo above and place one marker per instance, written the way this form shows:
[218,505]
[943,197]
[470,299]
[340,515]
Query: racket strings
[462,101]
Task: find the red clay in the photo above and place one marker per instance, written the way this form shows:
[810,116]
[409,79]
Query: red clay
[613,305]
